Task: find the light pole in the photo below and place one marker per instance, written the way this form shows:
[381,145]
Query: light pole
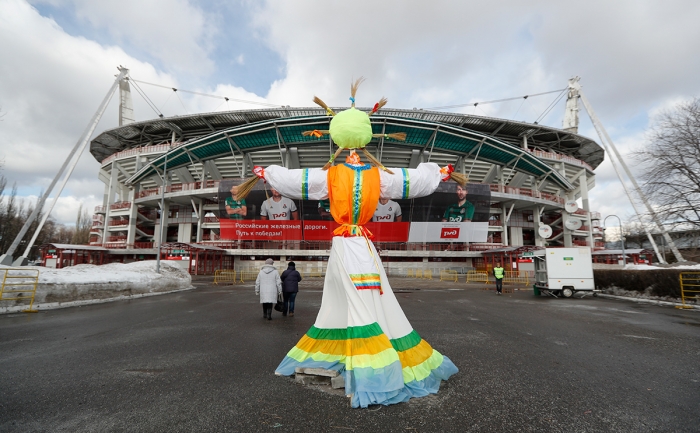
[622,238]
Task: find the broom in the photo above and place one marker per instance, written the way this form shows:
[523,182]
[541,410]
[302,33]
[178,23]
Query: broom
[375,161]
[460,178]
[382,102]
[246,187]
[330,161]
[323,105]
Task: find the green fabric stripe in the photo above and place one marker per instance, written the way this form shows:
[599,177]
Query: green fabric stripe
[356,276]
[357,194]
[350,332]
[305,184]
[407,342]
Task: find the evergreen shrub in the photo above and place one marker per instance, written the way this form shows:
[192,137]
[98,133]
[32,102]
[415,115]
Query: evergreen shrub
[661,282]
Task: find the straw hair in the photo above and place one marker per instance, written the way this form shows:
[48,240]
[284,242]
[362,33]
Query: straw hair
[375,161]
[460,178]
[382,102]
[353,88]
[247,186]
[323,105]
[316,132]
[400,136]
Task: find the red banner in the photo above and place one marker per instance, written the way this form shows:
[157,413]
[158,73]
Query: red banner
[272,230]
[383,232]
[268,230]
[389,232]
[319,230]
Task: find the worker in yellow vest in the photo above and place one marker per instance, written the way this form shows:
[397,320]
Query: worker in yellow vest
[498,273]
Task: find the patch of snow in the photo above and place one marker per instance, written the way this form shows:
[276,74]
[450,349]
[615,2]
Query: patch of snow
[647,296]
[106,282]
[691,266]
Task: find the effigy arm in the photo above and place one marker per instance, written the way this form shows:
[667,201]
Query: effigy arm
[300,184]
[407,183]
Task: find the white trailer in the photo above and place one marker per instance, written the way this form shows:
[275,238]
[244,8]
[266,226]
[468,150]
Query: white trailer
[564,271]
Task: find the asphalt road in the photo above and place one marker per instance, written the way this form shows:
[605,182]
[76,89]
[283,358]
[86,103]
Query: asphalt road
[203,360]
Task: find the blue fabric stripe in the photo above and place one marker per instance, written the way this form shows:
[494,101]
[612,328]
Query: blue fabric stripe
[406,185]
[382,386]
[416,388]
[362,167]
[287,366]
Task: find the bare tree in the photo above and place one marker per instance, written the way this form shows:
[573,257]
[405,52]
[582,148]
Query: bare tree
[82,227]
[635,234]
[14,213]
[673,157]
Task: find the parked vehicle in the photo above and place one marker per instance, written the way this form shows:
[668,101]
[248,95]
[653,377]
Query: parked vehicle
[564,272]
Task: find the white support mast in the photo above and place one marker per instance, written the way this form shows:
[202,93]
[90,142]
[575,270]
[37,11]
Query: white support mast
[571,113]
[6,259]
[607,142]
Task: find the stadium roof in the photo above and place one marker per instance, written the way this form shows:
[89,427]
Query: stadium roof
[283,132]
[192,127]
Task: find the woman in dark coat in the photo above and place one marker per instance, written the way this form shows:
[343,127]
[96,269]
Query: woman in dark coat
[290,287]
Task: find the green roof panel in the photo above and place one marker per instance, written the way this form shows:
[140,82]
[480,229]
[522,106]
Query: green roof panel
[419,133]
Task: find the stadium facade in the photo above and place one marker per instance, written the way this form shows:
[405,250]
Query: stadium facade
[533,174]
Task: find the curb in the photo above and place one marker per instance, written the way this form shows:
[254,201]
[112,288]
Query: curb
[58,305]
[647,301]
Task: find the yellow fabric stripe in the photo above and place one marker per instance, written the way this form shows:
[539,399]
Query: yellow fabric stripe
[301,356]
[354,346]
[421,371]
[379,360]
[416,355]
[361,279]
[376,361]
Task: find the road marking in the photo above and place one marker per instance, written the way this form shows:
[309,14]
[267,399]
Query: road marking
[638,336]
[626,311]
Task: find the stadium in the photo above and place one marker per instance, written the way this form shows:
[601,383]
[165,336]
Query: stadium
[179,169]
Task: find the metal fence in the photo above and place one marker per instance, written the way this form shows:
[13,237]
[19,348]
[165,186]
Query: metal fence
[690,288]
[224,277]
[477,277]
[19,284]
[453,274]
[244,275]
[448,275]
[518,277]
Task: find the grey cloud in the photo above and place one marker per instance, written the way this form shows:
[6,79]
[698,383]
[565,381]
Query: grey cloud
[633,57]
[178,32]
[50,86]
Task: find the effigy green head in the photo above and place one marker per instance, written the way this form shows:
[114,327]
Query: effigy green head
[351,129]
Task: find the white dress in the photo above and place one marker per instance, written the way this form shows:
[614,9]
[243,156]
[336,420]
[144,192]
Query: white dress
[361,330]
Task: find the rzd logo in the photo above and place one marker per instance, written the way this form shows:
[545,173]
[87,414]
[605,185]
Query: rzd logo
[279,215]
[449,233]
[382,217]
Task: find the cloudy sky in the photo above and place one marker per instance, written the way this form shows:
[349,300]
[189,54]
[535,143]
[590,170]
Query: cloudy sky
[58,58]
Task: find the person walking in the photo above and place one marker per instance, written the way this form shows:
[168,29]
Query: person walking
[290,288]
[268,285]
[498,273]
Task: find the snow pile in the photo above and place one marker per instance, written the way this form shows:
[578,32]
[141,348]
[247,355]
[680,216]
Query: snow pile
[691,267]
[106,282]
[646,294]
